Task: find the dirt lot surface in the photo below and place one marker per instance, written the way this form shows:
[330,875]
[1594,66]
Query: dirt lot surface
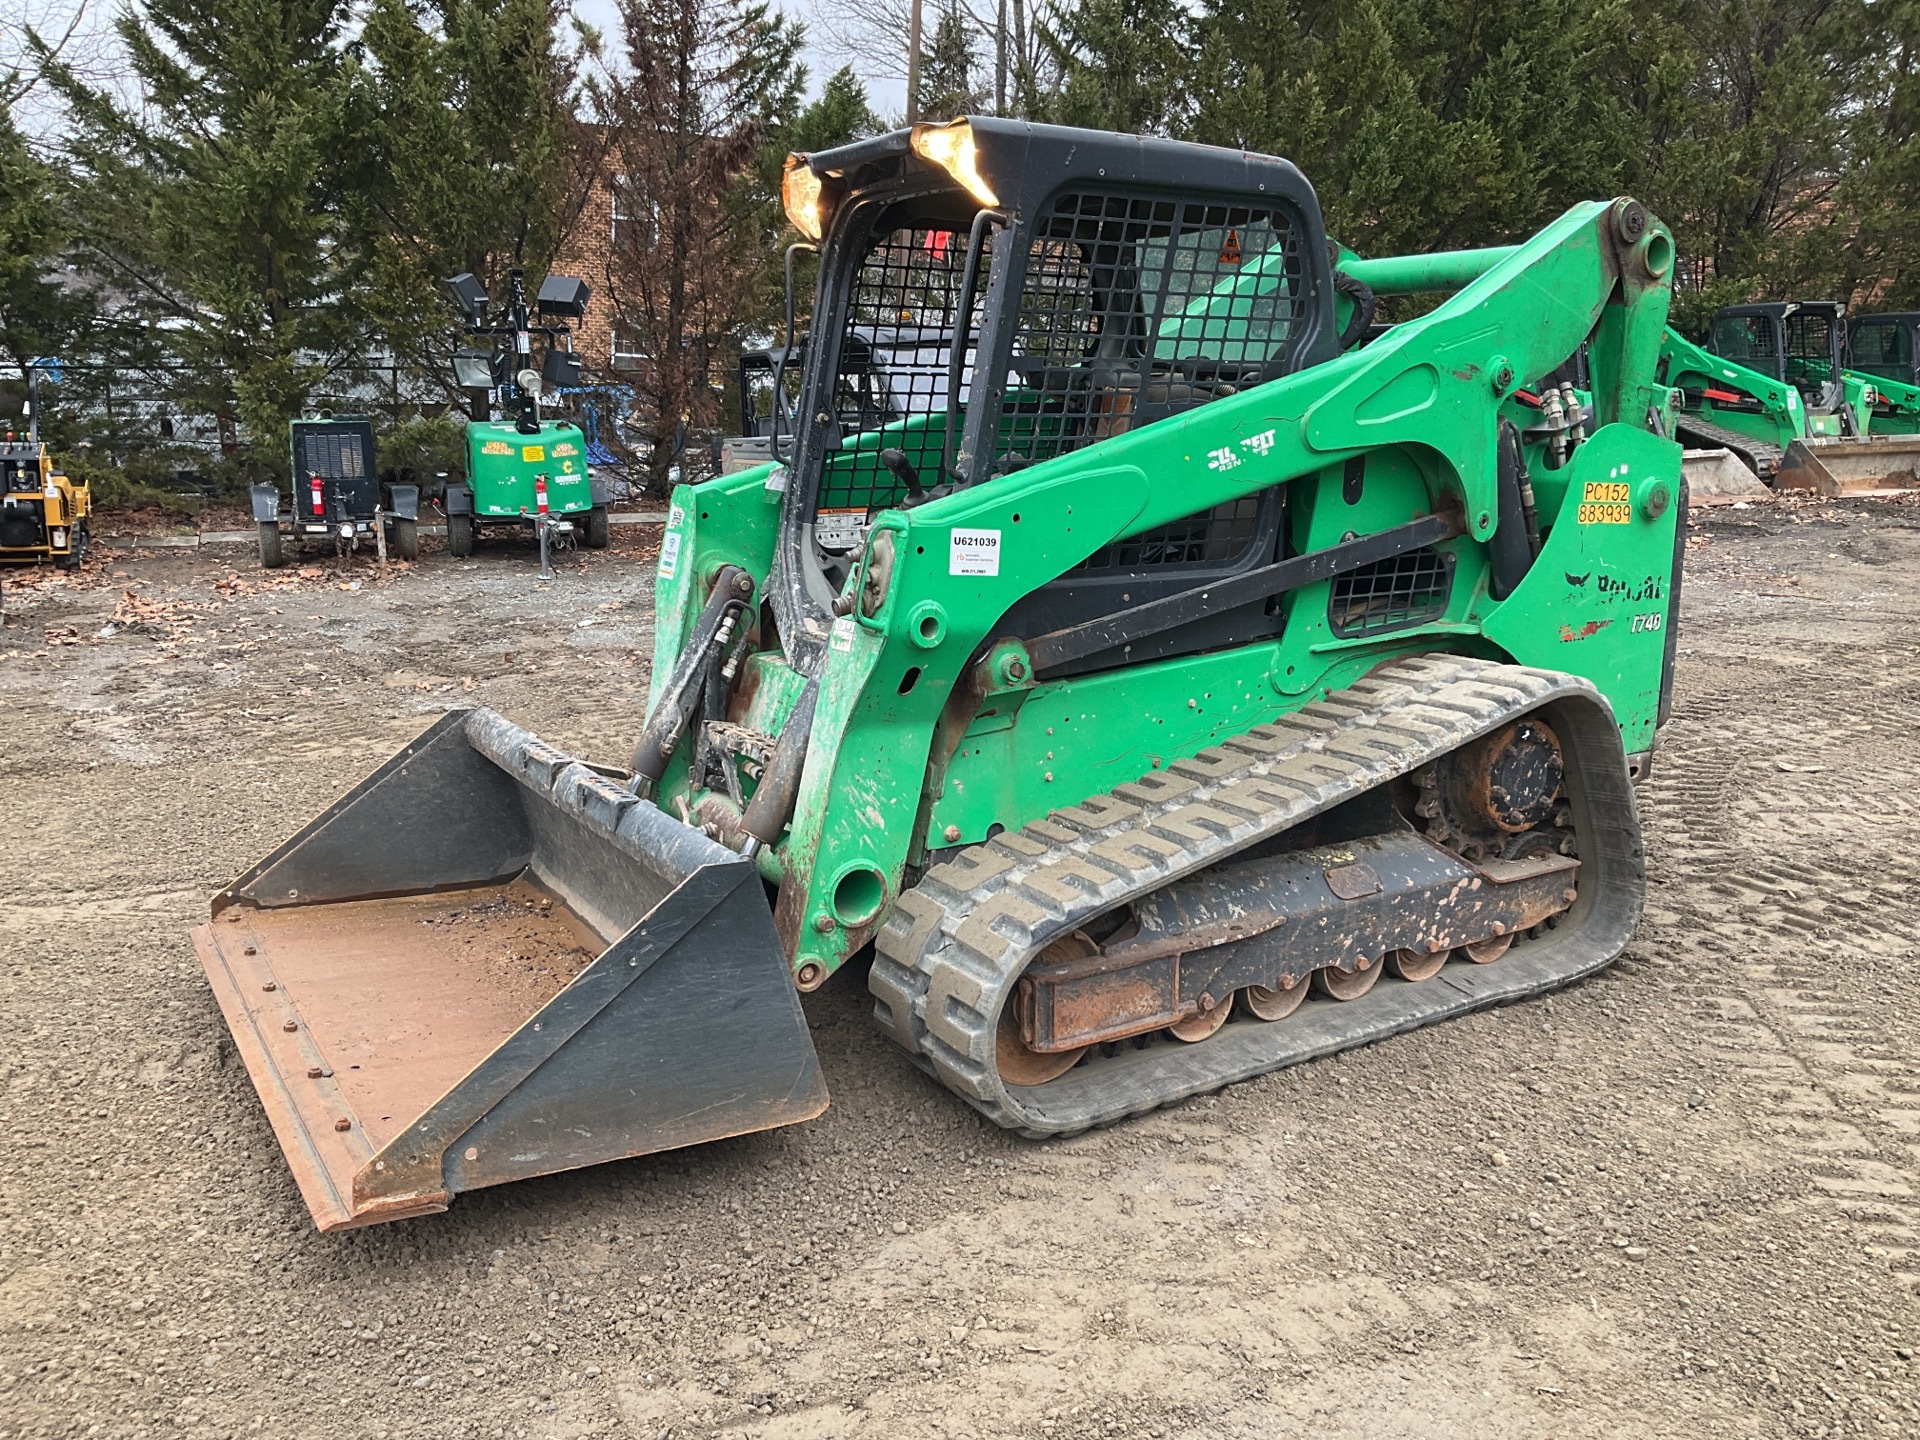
[1679,1200]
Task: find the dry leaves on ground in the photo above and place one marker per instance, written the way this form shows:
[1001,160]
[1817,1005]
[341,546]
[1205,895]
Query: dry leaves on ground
[165,620]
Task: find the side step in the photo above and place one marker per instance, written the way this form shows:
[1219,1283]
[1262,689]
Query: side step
[488,961]
[957,944]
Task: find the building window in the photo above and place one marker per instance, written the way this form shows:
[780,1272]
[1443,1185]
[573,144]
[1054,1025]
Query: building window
[633,215]
[630,343]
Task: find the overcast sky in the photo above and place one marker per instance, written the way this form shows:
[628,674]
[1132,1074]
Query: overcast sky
[887,96]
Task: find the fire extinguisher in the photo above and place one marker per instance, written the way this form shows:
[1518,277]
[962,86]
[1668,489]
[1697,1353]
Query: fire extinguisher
[319,502]
[540,493]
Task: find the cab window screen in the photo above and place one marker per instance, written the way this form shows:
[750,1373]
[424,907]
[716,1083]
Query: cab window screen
[1136,307]
[1810,344]
[1884,349]
[1747,339]
[890,380]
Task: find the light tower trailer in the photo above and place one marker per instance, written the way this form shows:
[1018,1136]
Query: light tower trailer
[522,470]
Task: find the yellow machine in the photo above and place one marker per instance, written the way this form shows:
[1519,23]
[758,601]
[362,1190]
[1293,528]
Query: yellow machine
[43,514]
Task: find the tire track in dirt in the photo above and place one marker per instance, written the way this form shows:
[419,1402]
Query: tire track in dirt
[1769,826]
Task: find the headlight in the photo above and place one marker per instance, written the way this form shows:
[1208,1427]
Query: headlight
[804,198]
[952,148]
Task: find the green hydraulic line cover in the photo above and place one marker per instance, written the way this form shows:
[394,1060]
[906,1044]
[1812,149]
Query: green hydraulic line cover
[1427,274]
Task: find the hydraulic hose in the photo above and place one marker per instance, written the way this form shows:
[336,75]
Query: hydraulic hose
[687,686]
[1364,305]
[779,789]
[1510,555]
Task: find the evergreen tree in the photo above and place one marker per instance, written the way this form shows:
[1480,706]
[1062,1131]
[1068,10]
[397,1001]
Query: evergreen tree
[1118,65]
[46,309]
[947,86]
[212,205]
[464,113]
[1427,125]
[840,115]
[1752,144]
[32,233]
[1442,123]
[1879,196]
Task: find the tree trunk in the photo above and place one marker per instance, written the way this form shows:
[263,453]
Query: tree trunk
[913,64]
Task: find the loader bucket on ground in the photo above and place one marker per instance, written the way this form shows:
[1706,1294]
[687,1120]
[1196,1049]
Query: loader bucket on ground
[1718,476]
[488,961]
[1868,466]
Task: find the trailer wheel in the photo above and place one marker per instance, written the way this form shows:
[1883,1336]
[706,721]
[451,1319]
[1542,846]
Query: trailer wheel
[270,558]
[406,539]
[459,535]
[597,528]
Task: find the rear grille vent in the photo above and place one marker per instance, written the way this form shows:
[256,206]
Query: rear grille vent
[1409,589]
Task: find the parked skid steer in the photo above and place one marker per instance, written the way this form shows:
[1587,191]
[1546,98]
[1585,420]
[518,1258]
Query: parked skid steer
[1773,387]
[1883,351]
[1161,688]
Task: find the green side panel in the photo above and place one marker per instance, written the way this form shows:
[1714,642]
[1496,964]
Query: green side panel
[728,520]
[1054,745]
[1891,406]
[1597,600]
[502,464]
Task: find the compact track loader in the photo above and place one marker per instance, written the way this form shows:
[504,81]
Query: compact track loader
[1772,386]
[1161,690]
[1883,351]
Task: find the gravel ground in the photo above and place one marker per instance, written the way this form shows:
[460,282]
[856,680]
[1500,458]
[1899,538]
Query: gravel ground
[1678,1200]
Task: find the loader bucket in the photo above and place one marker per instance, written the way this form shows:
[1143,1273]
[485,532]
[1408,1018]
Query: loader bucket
[489,961]
[1868,466]
[1719,476]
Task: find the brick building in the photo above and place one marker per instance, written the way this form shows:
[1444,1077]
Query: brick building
[606,345]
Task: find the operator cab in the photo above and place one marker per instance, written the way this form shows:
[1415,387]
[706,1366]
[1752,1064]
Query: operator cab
[1887,346]
[994,295]
[1797,342]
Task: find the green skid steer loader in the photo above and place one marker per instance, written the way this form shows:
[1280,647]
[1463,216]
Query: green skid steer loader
[1164,690]
[1883,352]
[1772,386]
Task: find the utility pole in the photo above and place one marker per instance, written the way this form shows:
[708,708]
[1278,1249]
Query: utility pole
[1000,58]
[913,64]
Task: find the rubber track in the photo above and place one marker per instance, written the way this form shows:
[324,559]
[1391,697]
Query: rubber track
[956,943]
[1758,456]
